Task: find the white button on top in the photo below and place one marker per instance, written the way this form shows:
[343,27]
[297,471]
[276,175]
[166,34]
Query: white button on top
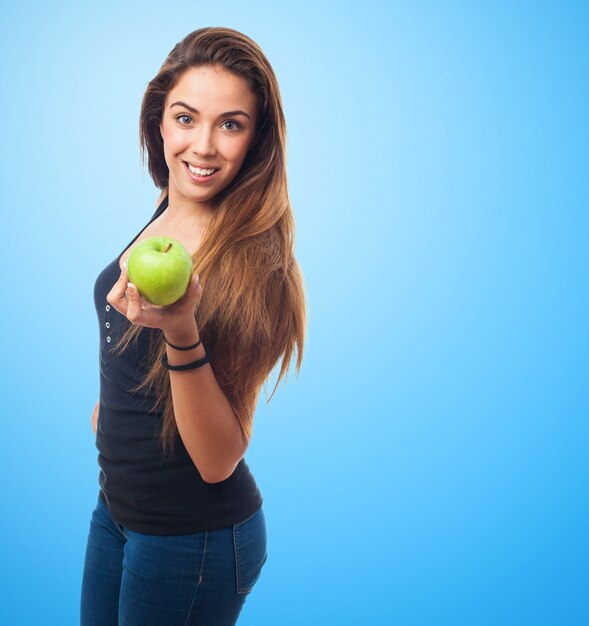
[108,339]
[108,307]
[107,324]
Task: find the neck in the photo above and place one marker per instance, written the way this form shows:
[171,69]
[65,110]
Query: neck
[182,211]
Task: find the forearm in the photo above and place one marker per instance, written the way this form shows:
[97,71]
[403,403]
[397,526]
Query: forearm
[206,422]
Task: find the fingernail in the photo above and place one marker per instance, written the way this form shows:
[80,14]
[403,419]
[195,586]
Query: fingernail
[130,288]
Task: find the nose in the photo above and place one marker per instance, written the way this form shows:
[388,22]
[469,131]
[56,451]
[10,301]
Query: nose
[203,141]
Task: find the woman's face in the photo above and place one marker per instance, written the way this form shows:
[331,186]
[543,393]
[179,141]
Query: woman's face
[208,121]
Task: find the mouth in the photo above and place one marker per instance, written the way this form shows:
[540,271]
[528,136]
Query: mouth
[200,175]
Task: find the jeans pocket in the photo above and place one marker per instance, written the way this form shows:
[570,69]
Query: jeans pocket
[250,544]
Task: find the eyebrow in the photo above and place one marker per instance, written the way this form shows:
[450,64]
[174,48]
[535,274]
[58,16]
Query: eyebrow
[183,104]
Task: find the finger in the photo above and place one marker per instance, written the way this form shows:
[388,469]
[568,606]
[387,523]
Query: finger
[134,309]
[195,287]
[192,293]
[198,292]
[117,295]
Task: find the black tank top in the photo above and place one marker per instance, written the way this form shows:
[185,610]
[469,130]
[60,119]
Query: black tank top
[144,491]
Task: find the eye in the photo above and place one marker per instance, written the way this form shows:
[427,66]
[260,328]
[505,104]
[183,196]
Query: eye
[237,124]
[182,115]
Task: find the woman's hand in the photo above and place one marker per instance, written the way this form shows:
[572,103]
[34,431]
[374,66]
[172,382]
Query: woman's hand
[127,300]
[95,416]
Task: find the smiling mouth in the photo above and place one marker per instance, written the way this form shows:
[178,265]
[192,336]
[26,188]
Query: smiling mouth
[199,176]
[200,171]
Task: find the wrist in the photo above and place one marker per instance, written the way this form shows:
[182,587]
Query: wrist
[187,336]
[184,336]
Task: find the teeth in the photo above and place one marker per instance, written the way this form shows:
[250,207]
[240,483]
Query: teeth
[197,170]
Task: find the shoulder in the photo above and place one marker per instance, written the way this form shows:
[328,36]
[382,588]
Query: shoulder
[162,196]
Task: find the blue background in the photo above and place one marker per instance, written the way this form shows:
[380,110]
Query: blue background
[428,465]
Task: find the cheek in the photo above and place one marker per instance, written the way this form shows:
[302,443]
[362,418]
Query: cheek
[236,151]
[172,138]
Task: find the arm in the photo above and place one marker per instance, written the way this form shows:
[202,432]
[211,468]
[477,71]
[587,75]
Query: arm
[95,416]
[206,422]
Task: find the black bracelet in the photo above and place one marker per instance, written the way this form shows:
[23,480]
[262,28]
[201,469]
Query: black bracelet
[194,345]
[187,366]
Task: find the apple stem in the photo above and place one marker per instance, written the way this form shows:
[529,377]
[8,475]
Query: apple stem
[167,247]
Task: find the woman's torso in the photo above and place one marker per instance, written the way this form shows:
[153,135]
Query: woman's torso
[143,490]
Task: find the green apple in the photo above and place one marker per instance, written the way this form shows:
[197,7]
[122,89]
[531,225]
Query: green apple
[160,268]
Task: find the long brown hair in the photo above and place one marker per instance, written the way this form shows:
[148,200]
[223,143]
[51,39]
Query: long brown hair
[252,309]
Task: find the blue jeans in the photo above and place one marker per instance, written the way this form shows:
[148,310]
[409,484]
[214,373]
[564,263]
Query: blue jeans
[203,578]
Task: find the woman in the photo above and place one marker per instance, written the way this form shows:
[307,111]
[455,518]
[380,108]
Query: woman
[178,535]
